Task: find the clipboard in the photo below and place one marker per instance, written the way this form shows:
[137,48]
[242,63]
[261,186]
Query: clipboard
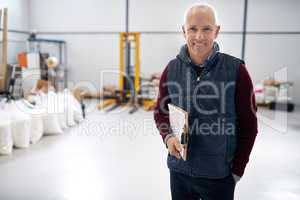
[179,126]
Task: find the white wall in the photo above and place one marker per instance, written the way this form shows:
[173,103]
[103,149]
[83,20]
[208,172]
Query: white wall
[95,52]
[68,15]
[167,15]
[267,54]
[155,15]
[88,54]
[17,13]
[17,20]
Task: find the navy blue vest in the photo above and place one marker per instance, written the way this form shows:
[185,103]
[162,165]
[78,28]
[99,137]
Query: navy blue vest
[210,102]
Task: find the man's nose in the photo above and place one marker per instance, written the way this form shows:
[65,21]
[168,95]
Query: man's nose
[199,35]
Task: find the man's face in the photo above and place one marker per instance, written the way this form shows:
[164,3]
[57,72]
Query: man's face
[200,32]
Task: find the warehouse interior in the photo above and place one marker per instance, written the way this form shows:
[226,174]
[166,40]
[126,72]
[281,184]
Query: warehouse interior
[79,82]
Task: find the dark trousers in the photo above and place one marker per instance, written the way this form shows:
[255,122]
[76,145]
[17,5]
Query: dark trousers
[184,187]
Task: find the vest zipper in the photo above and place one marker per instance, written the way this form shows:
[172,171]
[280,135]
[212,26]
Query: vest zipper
[201,75]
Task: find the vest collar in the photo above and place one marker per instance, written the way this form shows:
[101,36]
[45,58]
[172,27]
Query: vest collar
[184,56]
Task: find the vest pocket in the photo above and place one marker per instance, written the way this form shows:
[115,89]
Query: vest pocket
[208,136]
[209,166]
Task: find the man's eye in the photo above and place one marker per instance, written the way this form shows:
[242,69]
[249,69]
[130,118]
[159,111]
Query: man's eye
[207,29]
[193,29]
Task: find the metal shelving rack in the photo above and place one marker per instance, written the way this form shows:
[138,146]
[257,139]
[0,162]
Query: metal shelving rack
[35,45]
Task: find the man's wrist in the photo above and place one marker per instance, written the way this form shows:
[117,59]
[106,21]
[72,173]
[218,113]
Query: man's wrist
[170,135]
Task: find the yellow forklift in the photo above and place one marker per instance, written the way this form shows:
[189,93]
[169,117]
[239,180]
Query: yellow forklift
[130,92]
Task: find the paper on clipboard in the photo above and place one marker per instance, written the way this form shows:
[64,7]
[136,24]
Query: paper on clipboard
[179,125]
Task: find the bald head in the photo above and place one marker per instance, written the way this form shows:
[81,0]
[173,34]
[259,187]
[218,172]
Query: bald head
[205,10]
[200,30]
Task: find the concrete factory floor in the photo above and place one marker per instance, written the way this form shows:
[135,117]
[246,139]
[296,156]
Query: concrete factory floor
[120,156]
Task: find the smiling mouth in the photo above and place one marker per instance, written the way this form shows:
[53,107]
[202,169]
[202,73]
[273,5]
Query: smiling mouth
[198,44]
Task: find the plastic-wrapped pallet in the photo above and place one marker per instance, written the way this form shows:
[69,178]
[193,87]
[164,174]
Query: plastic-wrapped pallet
[21,131]
[51,118]
[62,115]
[69,107]
[6,142]
[51,124]
[62,121]
[36,113]
[20,126]
[78,117]
[73,109]
[37,128]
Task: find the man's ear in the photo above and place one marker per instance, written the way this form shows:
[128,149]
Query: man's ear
[183,30]
[217,31]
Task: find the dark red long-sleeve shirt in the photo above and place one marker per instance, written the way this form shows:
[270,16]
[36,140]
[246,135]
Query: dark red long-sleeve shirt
[245,111]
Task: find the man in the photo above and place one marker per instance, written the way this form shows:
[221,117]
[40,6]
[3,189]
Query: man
[217,92]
